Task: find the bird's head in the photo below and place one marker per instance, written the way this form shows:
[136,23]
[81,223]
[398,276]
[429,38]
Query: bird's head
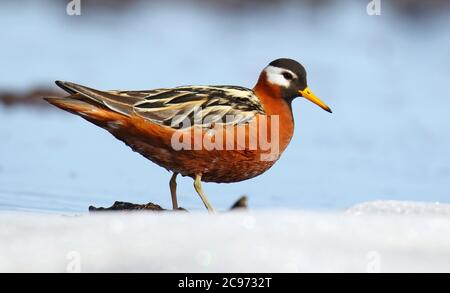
[289,77]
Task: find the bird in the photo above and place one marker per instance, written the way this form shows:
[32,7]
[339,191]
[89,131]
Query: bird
[219,133]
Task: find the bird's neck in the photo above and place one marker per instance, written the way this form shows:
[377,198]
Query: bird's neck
[274,104]
[272,99]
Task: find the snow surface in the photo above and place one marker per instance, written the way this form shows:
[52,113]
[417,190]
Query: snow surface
[372,237]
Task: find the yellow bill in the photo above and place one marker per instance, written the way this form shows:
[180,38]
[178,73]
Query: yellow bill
[309,95]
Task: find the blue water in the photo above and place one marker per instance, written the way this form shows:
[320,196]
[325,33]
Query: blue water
[386,79]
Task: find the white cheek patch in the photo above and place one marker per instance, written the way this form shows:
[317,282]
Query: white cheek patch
[275,76]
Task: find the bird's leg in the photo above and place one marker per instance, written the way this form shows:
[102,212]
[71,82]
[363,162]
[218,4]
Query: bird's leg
[198,188]
[173,190]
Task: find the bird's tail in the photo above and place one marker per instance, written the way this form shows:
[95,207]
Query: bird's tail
[74,104]
[87,103]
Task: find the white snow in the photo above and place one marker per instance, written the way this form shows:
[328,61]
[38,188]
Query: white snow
[371,237]
[385,140]
[393,207]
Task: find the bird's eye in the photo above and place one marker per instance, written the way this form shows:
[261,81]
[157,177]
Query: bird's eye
[287,75]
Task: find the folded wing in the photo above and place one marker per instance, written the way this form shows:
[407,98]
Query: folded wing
[179,107]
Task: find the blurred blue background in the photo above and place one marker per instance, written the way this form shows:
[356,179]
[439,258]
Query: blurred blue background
[386,78]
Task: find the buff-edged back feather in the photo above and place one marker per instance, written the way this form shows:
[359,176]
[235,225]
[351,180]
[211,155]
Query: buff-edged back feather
[178,107]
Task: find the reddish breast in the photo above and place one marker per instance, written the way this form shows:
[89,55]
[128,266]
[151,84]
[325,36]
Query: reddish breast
[274,104]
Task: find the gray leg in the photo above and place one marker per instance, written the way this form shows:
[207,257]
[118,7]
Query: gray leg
[198,188]
[173,190]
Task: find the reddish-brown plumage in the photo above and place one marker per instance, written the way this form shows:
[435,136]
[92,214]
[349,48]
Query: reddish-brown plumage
[154,141]
[274,104]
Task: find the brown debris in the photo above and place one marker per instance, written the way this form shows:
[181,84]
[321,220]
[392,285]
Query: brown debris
[241,203]
[127,206]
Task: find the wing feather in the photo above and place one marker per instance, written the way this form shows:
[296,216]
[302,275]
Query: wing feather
[179,107]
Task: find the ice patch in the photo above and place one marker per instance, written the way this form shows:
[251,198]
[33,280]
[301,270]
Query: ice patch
[264,241]
[393,207]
